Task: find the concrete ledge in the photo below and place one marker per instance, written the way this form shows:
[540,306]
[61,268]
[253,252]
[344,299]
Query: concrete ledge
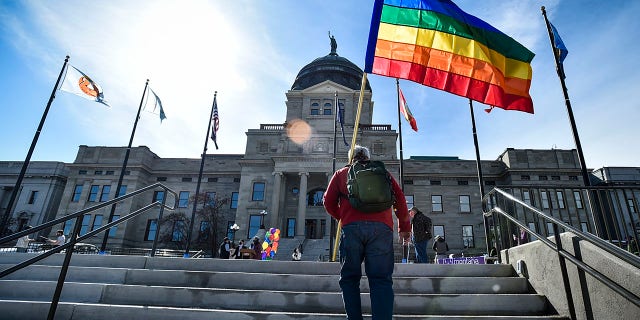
[543,269]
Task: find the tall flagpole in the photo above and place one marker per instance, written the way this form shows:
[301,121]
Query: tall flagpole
[574,129]
[7,212]
[333,168]
[400,136]
[123,169]
[480,176]
[204,153]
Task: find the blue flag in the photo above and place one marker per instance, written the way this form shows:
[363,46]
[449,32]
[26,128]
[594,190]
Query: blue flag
[558,45]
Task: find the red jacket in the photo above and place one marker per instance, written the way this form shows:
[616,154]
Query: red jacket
[336,202]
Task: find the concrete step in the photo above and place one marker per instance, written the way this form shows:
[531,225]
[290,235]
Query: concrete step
[30,310]
[260,300]
[267,281]
[135,287]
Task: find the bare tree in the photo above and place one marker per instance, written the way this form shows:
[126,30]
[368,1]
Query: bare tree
[209,228]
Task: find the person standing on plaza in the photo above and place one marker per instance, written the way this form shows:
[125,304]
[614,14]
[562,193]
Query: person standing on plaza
[23,242]
[440,247]
[225,248]
[368,237]
[420,234]
[60,239]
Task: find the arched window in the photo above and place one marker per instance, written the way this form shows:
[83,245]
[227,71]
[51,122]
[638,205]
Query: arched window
[314,197]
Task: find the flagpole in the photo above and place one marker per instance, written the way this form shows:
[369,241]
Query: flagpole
[480,176]
[574,129]
[195,201]
[356,124]
[123,169]
[333,168]
[400,136]
[7,212]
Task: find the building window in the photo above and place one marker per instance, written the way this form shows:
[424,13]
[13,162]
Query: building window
[632,205]
[555,177]
[543,178]
[584,227]
[82,172]
[203,234]
[97,222]
[573,178]
[560,196]
[545,199]
[257,194]
[113,230]
[187,179]
[438,230]
[254,225]
[435,182]
[178,231]
[104,196]
[532,226]
[98,172]
[408,182]
[234,200]
[122,191]
[526,197]
[291,227]
[409,199]
[32,197]
[77,191]
[467,237]
[110,173]
[150,232]
[315,111]
[183,199]
[210,199]
[93,193]
[465,204]
[525,177]
[128,172]
[212,180]
[85,224]
[436,203]
[578,197]
[263,147]
[550,229]
[66,228]
[161,179]
[378,148]
[463,182]
[314,198]
[327,112]
[158,196]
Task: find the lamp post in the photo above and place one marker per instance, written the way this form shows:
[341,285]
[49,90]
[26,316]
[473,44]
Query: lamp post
[262,214]
[234,228]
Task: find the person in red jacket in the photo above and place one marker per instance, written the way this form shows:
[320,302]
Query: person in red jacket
[366,237]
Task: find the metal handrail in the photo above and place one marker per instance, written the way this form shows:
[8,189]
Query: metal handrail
[563,254]
[75,237]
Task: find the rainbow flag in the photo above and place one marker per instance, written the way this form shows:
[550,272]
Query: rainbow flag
[435,43]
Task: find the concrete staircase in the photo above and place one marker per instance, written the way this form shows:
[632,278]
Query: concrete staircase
[133,287]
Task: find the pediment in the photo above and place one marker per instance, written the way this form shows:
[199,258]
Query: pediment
[327,86]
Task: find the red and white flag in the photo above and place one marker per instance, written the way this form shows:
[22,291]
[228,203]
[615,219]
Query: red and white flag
[404,108]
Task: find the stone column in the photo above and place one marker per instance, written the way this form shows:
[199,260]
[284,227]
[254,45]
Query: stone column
[275,201]
[302,206]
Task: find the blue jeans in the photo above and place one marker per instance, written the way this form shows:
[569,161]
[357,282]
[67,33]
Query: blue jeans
[421,251]
[371,242]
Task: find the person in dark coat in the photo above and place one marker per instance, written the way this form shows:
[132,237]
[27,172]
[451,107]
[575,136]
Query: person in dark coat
[420,234]
[257,248]
[225,248]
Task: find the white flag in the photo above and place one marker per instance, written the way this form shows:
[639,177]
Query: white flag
[78,83]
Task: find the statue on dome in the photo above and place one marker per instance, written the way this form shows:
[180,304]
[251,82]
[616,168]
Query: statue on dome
[334,44]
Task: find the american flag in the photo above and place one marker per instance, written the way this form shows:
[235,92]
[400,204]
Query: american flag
[215,122]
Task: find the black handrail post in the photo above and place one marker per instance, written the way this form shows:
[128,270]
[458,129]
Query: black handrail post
[155,238]
[563,270]
[64,268]
[586,300]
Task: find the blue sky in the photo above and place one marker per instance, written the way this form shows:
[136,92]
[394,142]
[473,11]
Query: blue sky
[251,51]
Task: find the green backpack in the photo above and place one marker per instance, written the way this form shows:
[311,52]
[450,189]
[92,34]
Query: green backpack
[369,187]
